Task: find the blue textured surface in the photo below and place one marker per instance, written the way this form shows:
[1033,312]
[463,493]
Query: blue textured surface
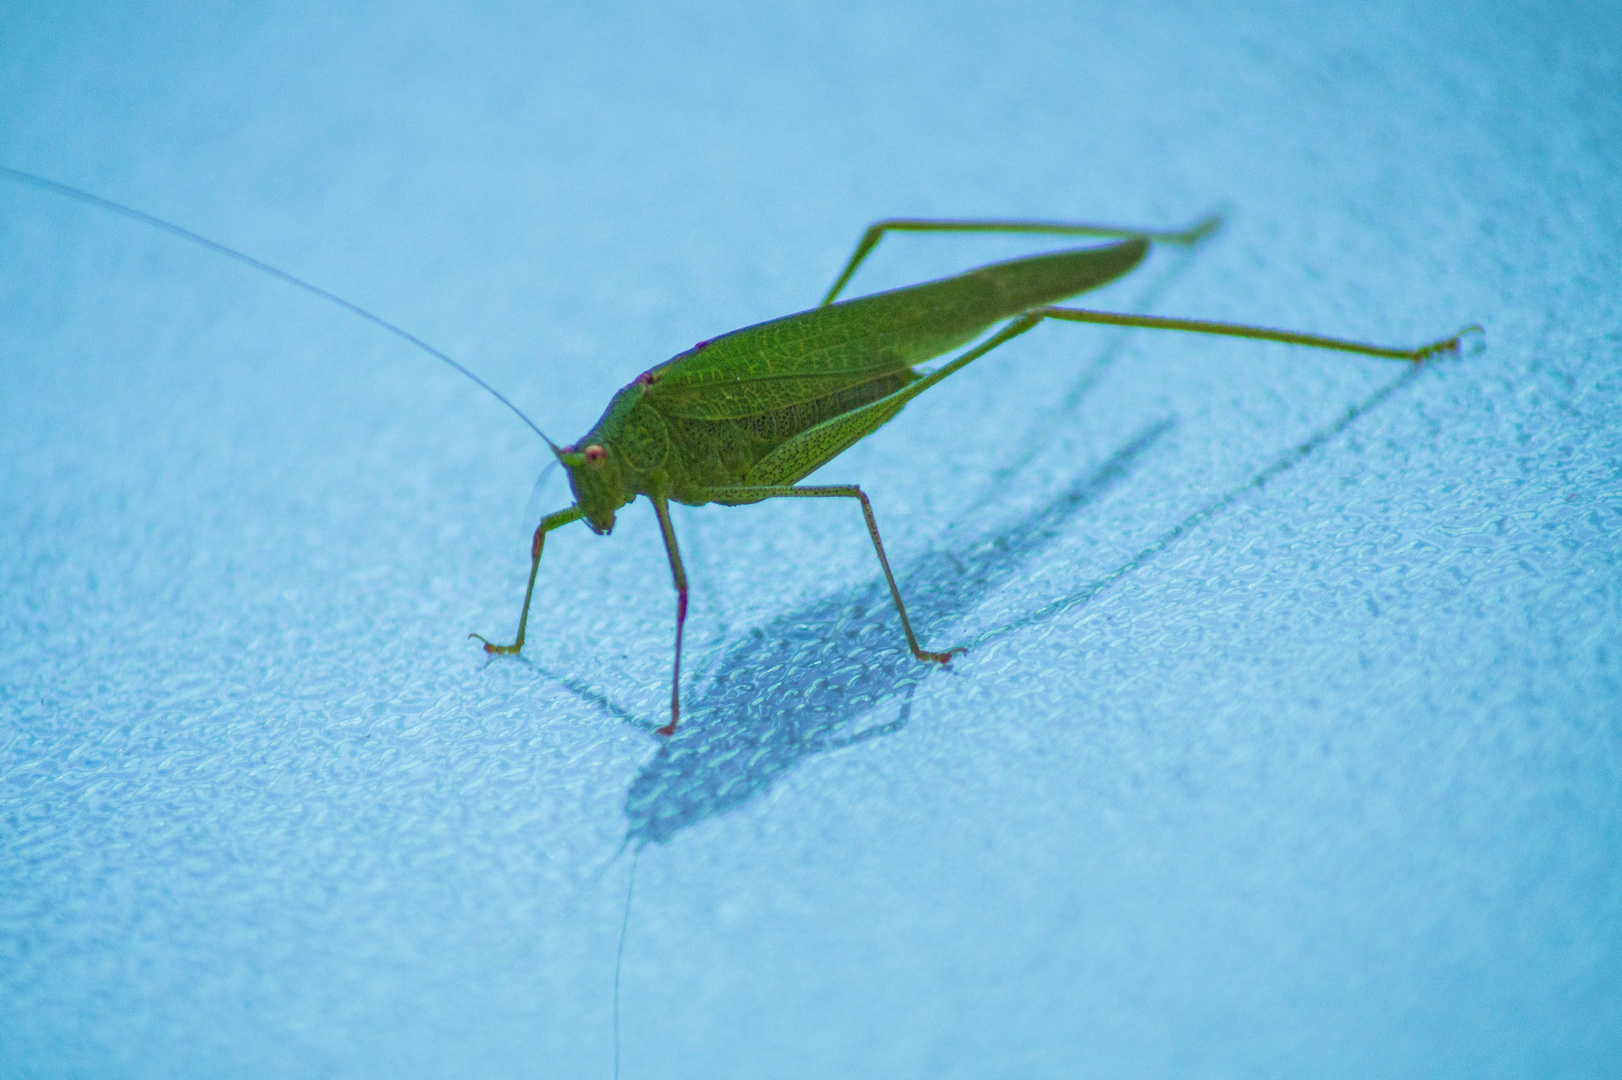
[1316,776]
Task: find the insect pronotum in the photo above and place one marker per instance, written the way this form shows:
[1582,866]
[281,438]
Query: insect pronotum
[745,416]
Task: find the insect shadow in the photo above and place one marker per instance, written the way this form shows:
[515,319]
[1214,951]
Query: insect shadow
[798,685]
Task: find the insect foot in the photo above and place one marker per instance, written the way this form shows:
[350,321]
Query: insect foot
[1469,341]
[494,649]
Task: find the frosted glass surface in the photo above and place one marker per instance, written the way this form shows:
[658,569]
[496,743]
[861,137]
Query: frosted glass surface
[1288,739]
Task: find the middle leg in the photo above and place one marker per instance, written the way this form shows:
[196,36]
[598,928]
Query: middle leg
[839,491]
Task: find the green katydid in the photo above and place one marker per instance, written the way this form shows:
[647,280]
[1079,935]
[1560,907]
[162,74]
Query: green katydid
[744,417]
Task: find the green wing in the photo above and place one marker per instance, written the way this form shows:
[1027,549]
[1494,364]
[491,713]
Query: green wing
[815,447]
[816,354]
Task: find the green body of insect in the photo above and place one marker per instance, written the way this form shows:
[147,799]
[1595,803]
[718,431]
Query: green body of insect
[764,406]
[745,416]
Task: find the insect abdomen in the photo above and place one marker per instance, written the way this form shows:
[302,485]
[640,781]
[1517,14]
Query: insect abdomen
[1022,284]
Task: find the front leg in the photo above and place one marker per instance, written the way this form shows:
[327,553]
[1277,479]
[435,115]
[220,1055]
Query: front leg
[548,523]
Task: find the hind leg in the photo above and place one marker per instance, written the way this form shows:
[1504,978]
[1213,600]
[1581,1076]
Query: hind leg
[875,232]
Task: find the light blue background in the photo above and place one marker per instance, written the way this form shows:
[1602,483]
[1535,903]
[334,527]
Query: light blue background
[1312,777]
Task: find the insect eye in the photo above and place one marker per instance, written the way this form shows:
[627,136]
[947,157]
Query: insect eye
[595,454]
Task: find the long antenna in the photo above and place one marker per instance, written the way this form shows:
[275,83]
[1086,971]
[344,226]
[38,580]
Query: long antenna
[233,253]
